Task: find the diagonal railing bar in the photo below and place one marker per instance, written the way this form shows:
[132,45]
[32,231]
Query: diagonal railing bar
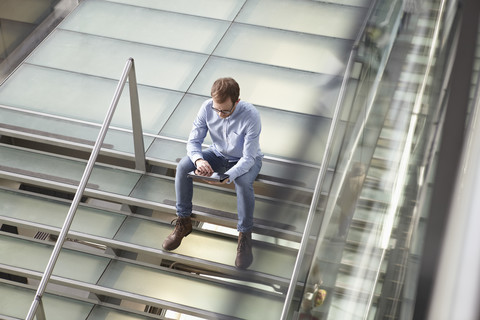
[128,73]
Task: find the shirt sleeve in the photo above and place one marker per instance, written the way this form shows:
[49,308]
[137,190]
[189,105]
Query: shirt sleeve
[198,134]
[251,147]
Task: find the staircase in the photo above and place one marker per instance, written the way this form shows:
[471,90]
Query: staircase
[113,267]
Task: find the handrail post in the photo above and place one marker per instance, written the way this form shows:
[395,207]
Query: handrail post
[41,312]
[83,183]
[138,144]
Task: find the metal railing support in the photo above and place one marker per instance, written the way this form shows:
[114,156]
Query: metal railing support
[128,73]
[136,120]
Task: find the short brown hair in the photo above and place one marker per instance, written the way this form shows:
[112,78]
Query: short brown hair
[225,88]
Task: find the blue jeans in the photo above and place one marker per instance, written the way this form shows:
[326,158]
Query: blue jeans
[243,187]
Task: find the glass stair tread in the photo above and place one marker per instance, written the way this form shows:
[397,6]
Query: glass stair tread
[148,26]
[275,87]
[221,205]
[193,292]
[72,51]
[34,256]
[52,213]
[16,302]
[77,135]
[200,245]
[83,98]
[138,231]
[292,49]
[157,283]
[66,170]
[309,16]
[217,9]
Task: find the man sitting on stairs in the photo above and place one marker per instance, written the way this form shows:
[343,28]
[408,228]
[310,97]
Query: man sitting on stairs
[234,128]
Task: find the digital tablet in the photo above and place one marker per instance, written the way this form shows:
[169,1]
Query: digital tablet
[218,177]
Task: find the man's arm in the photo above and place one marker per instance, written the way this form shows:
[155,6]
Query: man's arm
[197,135]
[251,146]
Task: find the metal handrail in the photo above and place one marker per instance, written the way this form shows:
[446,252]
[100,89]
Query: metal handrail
[323,167]
[128,73]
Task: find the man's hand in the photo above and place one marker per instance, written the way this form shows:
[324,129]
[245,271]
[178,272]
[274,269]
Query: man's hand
[203,168]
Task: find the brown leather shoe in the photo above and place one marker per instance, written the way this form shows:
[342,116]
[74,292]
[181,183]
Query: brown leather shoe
[183,227]
[244,250]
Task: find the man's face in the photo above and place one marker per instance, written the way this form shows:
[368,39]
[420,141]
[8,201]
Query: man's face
[224,109]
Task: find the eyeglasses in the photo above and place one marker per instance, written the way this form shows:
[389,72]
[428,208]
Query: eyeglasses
[224,112]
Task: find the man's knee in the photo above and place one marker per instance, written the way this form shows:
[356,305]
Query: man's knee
[185,165]
[244,182]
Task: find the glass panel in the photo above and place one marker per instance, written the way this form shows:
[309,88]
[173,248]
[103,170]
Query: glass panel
[275,87]
[53,213]
[180,122]
[285,49]
[71,132]
[84,97]
[72,51]
[218,9]
[16,302]
[299,137]
[219,298]
[66,170]
[35,256]
[159,28]
[268,259]
[267,212]
[167,150]
[304,16]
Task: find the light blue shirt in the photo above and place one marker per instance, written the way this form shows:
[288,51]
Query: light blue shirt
[236,137]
